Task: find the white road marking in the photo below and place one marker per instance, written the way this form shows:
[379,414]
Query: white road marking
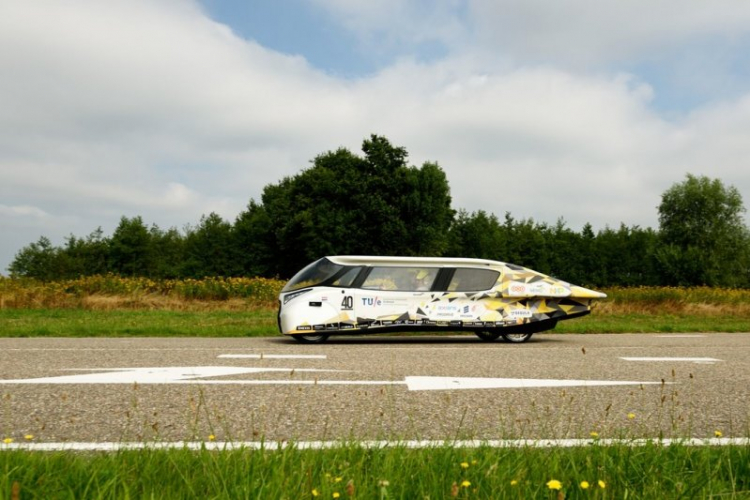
[272,356]
[320,445]
[197,375]
[448,383]
[677,360]
[677,336]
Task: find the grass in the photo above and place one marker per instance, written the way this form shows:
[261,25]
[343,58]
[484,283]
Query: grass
[352,471]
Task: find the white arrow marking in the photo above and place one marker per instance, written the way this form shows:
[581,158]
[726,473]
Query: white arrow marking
[197,375]
[168,375]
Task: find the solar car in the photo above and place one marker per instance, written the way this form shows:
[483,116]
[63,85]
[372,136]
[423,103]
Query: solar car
[350,295]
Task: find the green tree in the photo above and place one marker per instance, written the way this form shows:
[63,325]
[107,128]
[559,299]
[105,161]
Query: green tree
[38,260]
[347,204]
[130,249]
[209,250]
[704,240]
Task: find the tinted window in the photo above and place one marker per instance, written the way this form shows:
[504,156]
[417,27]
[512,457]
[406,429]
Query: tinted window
[472,280]
[347,278]
[314,274]
[405,279]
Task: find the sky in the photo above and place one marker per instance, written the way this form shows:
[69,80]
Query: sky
[172,109]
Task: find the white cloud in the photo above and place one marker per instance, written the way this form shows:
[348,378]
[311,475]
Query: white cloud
[150,108]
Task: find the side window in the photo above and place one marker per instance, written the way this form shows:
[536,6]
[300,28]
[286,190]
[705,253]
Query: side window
[403,279]
[472,280]
[346,279]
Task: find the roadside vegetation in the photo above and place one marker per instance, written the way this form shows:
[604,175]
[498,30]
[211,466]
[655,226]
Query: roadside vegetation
[352,471]
[246,307]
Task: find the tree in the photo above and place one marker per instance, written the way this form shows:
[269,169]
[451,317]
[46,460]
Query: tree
[38,260]
[209,250]
[130,249]
[347,204]
[703,237]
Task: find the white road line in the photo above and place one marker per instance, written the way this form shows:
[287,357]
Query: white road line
[675,336]
[677,360]
[272,356]
[321,445]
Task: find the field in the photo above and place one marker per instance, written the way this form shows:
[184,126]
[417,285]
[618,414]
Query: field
[238,307]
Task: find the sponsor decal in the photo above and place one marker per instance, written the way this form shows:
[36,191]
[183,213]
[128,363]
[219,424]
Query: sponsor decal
[372,301]
[519,313]
[319,327]
[304,328]
[456,323]
[346,326]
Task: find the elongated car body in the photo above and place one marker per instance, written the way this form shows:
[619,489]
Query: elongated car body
[345,295]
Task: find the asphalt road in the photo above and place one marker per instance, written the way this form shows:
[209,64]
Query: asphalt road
[555,386]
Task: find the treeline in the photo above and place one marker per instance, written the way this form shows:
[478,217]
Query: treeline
[376,204]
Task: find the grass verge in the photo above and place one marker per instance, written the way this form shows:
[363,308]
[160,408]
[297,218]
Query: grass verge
[351,471]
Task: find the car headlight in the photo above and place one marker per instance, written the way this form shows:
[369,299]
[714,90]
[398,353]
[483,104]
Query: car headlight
[294,295]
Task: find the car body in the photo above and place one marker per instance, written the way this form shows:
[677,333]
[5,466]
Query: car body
[345,295]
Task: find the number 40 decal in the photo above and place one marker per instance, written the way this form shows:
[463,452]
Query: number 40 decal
[347,303]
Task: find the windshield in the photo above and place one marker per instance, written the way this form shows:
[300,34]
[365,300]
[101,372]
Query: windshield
[317,272]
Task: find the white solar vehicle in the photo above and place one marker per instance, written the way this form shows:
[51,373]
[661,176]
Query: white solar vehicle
[347,295]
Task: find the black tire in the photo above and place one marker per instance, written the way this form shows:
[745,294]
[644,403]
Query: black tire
[517,338]
[487,335]
[310,339]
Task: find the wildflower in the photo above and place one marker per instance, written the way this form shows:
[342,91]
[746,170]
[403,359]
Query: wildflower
[454,489]
[718,433]
[602,484]
[474,462]
[211,437]
[513,482]
[315,492]
[8,440]
[465,483]
[464,465]
[336,494]
[631,416]
[585,485]
[338,479]
[554,484]
[594,434]
[350,488]
[28,437]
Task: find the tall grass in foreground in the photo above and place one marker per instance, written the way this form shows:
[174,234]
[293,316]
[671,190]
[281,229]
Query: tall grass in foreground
[620,471]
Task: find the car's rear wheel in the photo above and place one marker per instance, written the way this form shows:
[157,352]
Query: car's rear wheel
[487,335]
[310,339]
[517,338]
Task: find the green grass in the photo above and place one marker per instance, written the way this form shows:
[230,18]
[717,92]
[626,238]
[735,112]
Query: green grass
[262,322]
[351,471]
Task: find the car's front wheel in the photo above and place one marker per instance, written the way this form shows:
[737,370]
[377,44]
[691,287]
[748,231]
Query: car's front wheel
[310,339]
[516,338]
[487,335]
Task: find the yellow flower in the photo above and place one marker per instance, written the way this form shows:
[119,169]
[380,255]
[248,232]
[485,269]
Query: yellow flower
[464,465]
[8,440]
[315,492]
[718,433]
[211,437]
[465,483]
[594,434]
[474,462]
[338,479]
[584,485]
[336,494]
[631,416]
[28,437]
[554,484]
[602,484]
[513,482]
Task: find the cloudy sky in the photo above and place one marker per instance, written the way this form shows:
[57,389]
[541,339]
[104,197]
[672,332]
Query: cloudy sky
[171,109]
